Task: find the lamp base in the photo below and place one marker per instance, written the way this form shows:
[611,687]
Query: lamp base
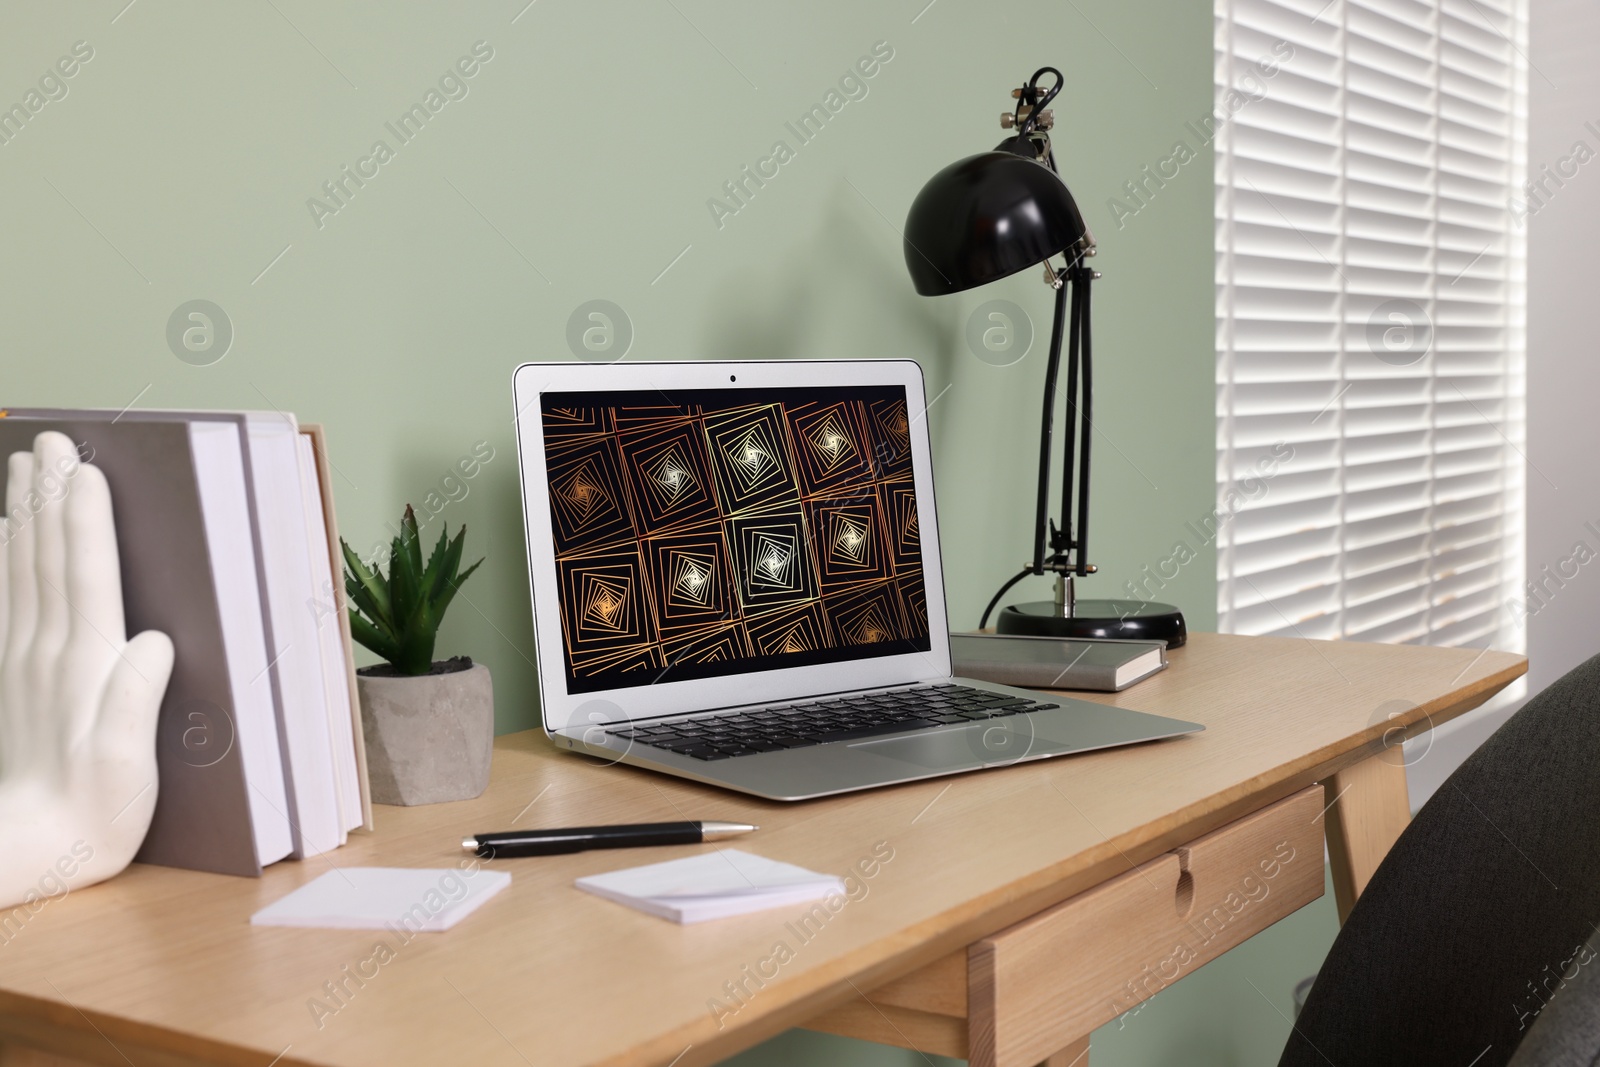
[1128,620]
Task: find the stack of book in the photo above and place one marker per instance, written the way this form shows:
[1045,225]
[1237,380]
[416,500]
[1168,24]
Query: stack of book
[228,544]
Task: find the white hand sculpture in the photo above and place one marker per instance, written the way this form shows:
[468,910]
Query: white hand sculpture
[78,700]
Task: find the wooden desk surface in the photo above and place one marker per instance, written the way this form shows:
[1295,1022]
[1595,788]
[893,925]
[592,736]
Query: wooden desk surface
[161,966]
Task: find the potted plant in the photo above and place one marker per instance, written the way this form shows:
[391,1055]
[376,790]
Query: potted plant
[429,726]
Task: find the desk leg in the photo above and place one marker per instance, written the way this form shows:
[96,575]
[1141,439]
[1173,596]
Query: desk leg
[1074,1055]
[1369,810]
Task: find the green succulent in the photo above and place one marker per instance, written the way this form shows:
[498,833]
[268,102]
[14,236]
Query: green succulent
[398,615]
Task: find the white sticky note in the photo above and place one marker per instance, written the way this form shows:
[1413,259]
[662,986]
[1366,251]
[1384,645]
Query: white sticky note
[712,885]
[378,898]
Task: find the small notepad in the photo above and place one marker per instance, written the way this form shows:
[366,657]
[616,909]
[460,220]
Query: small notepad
[711,886]
[377,898]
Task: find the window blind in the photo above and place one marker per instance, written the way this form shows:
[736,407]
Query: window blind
[1371,292]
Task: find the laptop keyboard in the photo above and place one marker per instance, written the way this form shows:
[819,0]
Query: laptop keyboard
[817,722]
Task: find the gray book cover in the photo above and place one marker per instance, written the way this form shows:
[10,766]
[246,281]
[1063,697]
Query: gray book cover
[1056,662]
[202,818]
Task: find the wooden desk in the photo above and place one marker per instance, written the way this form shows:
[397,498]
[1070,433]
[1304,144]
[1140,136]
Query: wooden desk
[161,967]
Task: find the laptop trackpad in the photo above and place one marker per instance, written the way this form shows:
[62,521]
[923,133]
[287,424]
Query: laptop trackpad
[996,741]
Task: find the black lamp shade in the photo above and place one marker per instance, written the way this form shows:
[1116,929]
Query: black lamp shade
[986,217]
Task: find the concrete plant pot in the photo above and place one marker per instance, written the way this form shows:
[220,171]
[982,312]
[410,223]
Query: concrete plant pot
[428,737]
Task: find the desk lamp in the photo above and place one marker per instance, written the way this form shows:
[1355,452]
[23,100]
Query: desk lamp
[987,217]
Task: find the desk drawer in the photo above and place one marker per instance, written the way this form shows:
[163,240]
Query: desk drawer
[1042,984]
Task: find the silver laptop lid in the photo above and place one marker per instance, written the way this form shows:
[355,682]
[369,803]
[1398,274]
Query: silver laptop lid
[708,534]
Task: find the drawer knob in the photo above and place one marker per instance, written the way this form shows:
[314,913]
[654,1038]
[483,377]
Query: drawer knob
[1183,898]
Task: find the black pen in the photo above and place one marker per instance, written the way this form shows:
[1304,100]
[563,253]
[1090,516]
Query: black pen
[513,844]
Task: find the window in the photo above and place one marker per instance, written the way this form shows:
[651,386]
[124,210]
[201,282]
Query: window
[1371,285]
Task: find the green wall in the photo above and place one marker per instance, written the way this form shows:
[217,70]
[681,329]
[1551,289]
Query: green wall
[578,166]
[576,163]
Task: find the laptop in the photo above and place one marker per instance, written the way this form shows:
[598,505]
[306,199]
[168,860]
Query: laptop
[736,580]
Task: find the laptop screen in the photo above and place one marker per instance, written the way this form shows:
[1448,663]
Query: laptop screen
[703,533]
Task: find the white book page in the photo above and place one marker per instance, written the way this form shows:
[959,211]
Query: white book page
[280,503]
[335,682]
[219,468]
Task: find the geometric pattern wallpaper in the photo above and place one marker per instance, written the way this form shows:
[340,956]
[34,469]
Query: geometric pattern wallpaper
[696,534]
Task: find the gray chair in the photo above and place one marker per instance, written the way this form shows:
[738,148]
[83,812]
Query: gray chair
[1567,1031]
[1483,909]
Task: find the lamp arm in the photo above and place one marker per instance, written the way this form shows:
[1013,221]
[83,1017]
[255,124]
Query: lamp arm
[1084,403]
[1046,428]
[1061,537]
